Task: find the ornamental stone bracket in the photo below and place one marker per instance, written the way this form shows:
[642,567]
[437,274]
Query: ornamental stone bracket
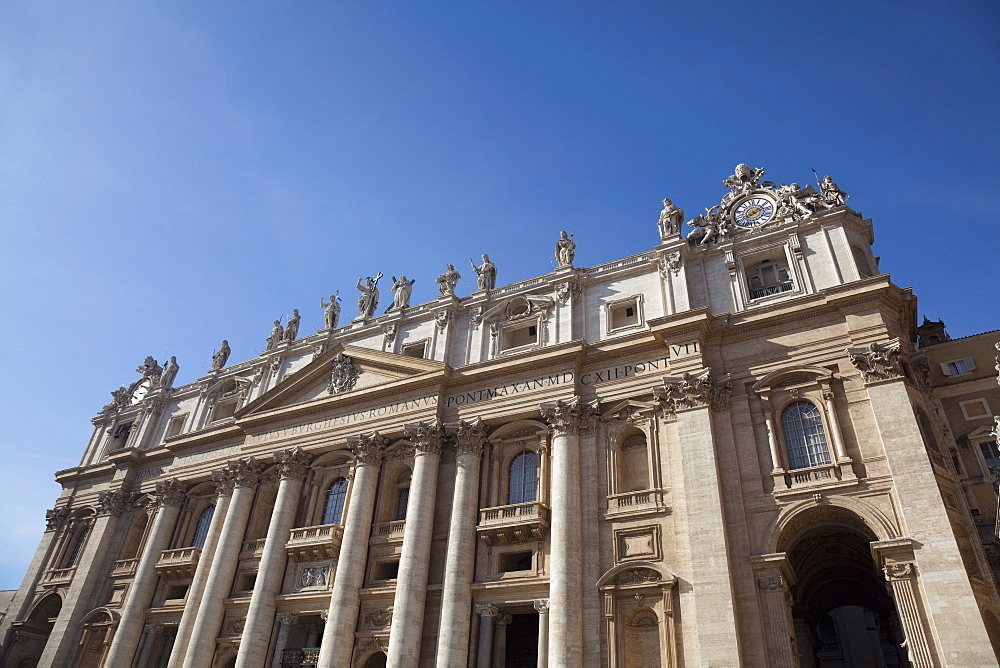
[692,391]
[877,362]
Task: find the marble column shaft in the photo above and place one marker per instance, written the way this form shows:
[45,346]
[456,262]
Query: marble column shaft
[542,607]
[460,561]
[566,534]
[293,465]
[169,497]
[342,617]
[197,588]
[484,658]
[414,560]
[201,646]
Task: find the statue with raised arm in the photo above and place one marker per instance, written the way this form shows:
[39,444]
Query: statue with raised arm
[565,250]
[331,316]
[220,357]
[292,327]
[170,370]
[487,273]
[830,194]
[274,338]
[368,299]
[448,281]
[671,219]
[401,291]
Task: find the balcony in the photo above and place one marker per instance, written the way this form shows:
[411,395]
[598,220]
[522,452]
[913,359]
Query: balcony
[252,549]
[519,523]
[768,290]
[389,532]
[301,657]
[814,474]
[640,502]
[124,568]
[315,543]
[177,564]
[58,576]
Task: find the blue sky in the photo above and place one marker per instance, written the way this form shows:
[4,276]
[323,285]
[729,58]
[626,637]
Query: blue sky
[172,174]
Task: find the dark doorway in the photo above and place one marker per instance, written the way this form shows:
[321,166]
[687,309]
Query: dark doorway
[522,642]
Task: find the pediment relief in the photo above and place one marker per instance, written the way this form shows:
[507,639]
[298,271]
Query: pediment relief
[628,411]
[790,377]
[340,371]
[515,308]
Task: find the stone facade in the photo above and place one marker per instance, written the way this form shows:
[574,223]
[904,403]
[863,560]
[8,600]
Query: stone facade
[730,449]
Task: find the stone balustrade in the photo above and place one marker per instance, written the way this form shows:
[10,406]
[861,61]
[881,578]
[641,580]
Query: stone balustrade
[252,548]
[58,576]
[639,502]
[516,523]
[823,473]
[389,532]
[124,568]
[179,563]
[315,543]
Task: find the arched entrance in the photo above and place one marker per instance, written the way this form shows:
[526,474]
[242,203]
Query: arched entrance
[842,613]
[376,660]
[33,632]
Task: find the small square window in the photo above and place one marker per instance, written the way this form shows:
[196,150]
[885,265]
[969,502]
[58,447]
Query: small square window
[624,315]
[525,335]
[176,592]
[418,350]
[223,411]
[977,409]
[246,582]
[515,561]
[175,426]
[387,570]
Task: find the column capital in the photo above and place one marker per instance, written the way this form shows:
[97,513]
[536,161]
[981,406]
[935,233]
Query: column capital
[487,610]
[245,472]
[55,518]
[568,417]
[504,618]
[469,437]
[287,618]
[542,606]
[427,437]
[113,503]
[293,463]
[170,492]
[368,449]
[223,482]
[153,629]
[693,391]
[877,361]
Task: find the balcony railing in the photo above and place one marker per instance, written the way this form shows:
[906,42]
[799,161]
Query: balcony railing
[389,531]
[58,576]
[179,563]
[315,543]
[300,657]
[517,523]
[124,568]
[638,502]
[768,290]
[814,474]
[252,548]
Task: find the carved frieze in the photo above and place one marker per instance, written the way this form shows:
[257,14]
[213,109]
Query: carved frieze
[641,576]
[877,362]
[378,618]
[343,375]
[314,577]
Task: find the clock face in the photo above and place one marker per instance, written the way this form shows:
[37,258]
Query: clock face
[754,212]
[140,392]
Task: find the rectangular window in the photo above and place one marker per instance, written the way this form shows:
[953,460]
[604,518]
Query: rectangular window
[623,315]
[958,367]
[175,426]
[223,411]
[522,336]
[515,561]
[768,276]
[387,570]
[991,453]
[176,592]
[418,350]
[120,435]
[401,501]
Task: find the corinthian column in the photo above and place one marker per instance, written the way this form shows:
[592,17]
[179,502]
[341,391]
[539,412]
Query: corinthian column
[773,578]
[167,500]
[224,489]
[342,617]
[566,557]
[292,466]
[245,475]
[411,584]
[456,595]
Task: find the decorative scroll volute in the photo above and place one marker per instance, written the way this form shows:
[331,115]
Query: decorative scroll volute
[568,417]
[470,437]
[368,449]
[427,437]
[170,492]
[292,463]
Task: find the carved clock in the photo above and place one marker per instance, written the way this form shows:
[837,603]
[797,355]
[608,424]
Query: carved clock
[754,212]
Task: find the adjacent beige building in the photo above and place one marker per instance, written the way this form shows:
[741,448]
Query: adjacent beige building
[732,449]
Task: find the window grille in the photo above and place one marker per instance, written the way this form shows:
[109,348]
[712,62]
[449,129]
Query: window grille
[523,484]
[805,439]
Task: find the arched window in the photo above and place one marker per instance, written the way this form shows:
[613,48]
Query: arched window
[201,529]
[633,464]
[804,436]
[81,540]
[336,493]
[522,486]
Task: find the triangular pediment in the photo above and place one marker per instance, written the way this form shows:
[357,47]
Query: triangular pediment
[361,369]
